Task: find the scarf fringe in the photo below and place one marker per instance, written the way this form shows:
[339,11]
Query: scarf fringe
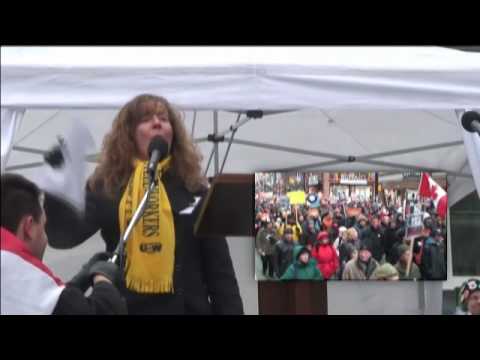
[149,286]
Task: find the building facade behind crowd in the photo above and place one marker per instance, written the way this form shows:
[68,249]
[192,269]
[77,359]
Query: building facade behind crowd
[368,245]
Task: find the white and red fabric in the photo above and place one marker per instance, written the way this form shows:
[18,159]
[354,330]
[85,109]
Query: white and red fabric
[28,287]
[429,188]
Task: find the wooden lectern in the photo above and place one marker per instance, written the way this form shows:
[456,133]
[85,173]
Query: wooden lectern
[228,210]
[228,207]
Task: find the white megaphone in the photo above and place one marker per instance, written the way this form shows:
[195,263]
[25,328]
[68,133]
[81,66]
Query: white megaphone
[471,121]
[67,181]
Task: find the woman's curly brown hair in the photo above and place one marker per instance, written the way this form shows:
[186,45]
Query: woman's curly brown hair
[119,149]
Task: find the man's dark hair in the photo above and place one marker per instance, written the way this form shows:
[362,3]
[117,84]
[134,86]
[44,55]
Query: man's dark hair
[20,197]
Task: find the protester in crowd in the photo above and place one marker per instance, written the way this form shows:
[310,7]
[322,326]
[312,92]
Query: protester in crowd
[326,256]
[361,267]
[348,247]
[361,225]
[309,236]
[293,225]
[284,253]
[385,272]
[338,217]
[265,245]
[404,257]
[348,252]
[400,221]
[342,234]
[313,216]
[327,221]
[374,239]
[433,262]
[304,266]
[391,241]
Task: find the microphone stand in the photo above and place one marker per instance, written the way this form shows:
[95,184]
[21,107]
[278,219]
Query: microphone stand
[118,253]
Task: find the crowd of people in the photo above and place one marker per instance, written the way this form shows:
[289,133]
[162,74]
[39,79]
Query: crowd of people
[323,240]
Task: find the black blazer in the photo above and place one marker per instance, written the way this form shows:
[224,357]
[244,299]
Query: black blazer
[204,278]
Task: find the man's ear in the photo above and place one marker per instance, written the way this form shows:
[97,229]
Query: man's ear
[25,228]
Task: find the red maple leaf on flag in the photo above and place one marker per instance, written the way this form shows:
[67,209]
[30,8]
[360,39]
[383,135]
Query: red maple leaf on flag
[433,192]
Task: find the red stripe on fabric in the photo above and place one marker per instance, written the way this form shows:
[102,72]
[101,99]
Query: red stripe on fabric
[424,188]
[9,242]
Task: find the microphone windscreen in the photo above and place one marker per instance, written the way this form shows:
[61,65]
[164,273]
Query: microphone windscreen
[158,143]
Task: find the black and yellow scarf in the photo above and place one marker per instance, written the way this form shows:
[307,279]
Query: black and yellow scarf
[150,249]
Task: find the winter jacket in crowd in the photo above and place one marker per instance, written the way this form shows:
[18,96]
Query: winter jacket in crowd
[265,241]
[433,266]
[358,270]
[374,240]
[327,259]
[283,256]
[300,271]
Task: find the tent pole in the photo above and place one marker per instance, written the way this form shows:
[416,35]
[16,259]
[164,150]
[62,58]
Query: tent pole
[383,163]
[412,167]
[289,149]
[234,127]
[372,156]
[412,150]
[200,140]
[24,166]
[28,150]
[318,165]
[38,127]
[230,144]
[209,161]
[215,133]
[193,122]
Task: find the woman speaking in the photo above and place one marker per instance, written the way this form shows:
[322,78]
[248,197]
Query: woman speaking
[168,270]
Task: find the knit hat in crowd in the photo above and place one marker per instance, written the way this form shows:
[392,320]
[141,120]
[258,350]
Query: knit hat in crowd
[385,272]
[402,248]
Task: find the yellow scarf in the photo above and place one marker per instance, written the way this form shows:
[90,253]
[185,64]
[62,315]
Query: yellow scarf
[150,249]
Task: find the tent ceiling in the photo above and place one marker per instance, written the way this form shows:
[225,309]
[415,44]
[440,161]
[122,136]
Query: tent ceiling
[242,78]
[305,133]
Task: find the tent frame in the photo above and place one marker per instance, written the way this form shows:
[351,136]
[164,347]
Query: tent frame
[219,136]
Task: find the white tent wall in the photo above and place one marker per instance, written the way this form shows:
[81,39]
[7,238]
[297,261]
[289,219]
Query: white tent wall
[10,121]
[357,101]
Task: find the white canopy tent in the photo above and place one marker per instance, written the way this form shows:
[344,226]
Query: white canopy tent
[383,109]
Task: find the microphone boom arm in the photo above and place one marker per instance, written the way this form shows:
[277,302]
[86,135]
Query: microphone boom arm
[136,216]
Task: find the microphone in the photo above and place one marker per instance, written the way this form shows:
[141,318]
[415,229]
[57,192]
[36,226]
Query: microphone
[157,150]
[471,121]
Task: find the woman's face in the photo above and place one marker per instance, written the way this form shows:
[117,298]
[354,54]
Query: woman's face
[154,124]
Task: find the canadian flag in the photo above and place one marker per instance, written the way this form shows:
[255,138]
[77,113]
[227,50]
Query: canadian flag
[430,189]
